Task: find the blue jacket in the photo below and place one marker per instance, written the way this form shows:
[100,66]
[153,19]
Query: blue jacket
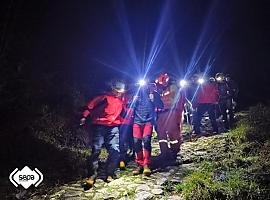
[144,108]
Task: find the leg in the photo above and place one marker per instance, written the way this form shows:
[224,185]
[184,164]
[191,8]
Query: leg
[223,108]
[112,146]
[198,118]
[147,133]
[162,134]
[212,116]
[137,133]
[98,140]
[123,142]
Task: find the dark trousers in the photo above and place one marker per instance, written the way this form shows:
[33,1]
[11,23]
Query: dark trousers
[126,141]
[201,110]
[226,110]
[109,136]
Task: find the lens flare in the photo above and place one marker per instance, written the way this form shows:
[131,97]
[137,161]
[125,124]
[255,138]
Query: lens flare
[142,82]
[201,81]
[183,83]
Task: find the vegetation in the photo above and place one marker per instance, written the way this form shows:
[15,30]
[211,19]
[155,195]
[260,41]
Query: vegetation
[241,170]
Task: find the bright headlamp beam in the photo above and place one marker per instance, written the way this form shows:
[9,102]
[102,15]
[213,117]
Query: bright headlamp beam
[142,82]
[183,83]
[201,81]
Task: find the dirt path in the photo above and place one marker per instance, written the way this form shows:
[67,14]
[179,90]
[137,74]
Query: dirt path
[158,186]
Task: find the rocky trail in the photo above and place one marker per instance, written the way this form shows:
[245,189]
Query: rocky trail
[160,185]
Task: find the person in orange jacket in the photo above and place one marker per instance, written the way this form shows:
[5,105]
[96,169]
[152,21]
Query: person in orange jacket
[170,119]
[105,113]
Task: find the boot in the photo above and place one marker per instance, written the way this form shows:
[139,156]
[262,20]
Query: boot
[122,165]
[146,170]
[89,183]
[110,179]
[137,171]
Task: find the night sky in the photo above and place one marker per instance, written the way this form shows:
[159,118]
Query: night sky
[90,42]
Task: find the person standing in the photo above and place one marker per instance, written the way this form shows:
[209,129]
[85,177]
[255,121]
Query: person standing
[206,101]
[144,104]
[169,120]
[126,134]
[225,101]
[104,111]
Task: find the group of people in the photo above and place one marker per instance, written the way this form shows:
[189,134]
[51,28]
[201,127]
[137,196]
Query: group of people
[124,119]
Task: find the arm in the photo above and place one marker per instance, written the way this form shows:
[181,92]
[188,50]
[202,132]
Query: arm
[92,104]
[157,101]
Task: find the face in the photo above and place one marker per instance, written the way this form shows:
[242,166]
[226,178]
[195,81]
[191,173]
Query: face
[116,93]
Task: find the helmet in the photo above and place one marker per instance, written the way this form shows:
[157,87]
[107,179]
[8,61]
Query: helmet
[220,77]
[118,86]
[227,77]
[163,79]
[194,78]
[212,79]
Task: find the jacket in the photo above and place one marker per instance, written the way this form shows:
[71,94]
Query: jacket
[105,110]
[208,93]
[144,108]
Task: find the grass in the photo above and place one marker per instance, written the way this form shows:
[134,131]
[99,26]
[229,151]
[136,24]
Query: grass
[241,169]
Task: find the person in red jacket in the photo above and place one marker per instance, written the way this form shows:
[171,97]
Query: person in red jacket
[104,111]
[126,134]
[206,101]
[170,119]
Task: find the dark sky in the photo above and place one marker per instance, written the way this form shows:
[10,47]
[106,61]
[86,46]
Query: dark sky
[93,41]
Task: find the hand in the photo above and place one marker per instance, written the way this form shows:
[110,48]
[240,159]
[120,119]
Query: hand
[151,96]
[135,98]
[82,121]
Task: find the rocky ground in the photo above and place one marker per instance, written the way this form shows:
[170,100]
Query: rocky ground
[158,186]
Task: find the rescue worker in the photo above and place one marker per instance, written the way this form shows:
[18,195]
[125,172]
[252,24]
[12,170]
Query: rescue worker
[169,120]
[206,101]
[234,90]
[225,100]
[104,111]
[126,134]
[144,104]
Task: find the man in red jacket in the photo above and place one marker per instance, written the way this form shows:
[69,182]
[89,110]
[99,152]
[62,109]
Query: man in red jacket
[104,111]
[206,101]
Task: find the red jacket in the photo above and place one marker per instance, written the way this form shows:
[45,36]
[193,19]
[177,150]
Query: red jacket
[208,93]
[105,110]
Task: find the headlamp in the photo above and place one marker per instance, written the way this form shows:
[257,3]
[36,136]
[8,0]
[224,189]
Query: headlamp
[183,83]
[142,82]
[200,80]
[219,78]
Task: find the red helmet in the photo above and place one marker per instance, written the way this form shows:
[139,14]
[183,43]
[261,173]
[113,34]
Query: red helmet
[163,79]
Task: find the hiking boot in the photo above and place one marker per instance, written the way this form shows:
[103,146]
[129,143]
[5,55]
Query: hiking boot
[146,170]
[137,171]
[110,179]
[89,183]
[122,165]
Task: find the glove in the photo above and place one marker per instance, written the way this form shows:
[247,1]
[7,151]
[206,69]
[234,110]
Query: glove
[82,121]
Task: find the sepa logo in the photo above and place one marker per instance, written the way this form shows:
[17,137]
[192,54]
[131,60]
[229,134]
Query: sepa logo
[26,177]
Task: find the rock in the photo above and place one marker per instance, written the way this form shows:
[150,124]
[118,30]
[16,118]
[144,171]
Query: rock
[120,181]
[201,153]
[156,191]
[165,174]
[143,195]
[72,194]
[143,187]
[161,181]
[111,195]
[174,197]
